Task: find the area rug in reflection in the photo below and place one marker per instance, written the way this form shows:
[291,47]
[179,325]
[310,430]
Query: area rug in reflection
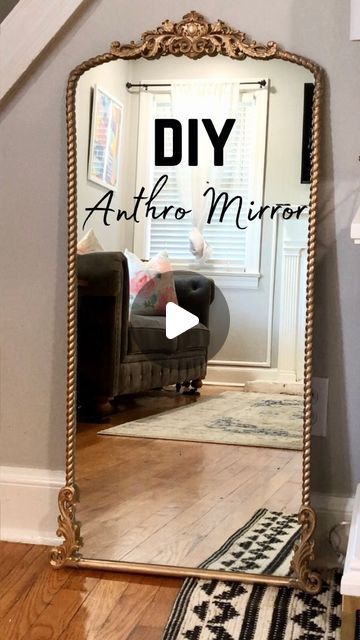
[240,418]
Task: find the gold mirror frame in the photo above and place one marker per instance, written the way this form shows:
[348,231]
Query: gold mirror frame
[193,37]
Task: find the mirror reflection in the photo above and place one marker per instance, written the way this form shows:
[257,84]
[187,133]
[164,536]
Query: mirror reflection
[193,193]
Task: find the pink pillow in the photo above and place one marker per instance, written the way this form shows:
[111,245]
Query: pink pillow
[151,284]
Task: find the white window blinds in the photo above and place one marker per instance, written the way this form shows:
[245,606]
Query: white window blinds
[236,177]
[169,234]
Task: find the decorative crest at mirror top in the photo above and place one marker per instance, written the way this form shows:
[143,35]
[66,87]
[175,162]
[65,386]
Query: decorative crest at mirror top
[193,37]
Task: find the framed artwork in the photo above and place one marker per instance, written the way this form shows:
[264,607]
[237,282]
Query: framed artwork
[106,120]
[307,132]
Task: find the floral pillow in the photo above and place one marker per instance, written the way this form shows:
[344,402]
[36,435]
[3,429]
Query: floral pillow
[89,243]
[151,284]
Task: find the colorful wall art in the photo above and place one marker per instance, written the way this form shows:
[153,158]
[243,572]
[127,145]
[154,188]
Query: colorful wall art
[105,139]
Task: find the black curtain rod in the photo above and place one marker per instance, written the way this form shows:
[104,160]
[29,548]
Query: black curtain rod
[130,85]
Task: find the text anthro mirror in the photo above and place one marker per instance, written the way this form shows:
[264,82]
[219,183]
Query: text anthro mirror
[193,161]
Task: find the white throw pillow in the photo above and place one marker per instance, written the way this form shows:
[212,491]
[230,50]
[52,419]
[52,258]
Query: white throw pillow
[151,284]
[89,243]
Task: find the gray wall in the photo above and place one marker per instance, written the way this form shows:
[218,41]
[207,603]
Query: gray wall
[33,222]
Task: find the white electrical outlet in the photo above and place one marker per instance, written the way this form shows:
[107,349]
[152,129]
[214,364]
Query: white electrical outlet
[319,406]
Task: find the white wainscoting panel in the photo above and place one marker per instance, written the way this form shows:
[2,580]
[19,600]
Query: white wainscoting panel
[28,504]
[290,305]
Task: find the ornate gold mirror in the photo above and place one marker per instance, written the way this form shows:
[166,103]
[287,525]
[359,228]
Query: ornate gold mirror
[193,163]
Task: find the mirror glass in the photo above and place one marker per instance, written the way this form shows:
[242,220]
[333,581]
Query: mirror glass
[193,193]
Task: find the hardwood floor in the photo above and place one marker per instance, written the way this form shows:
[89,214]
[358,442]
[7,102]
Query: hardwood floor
[147,501]
[161,502]
[40,603]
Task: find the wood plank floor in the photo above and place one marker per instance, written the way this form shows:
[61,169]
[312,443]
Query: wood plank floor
[161,502]
[40,603]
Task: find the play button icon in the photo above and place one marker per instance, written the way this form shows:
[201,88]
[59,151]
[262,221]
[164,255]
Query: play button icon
[178,320]
[198,316]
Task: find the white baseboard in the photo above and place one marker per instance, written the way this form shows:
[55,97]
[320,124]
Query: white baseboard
[28,504]
[235,375]
[350,583]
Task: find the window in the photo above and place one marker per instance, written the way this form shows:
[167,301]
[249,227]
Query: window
[233,250]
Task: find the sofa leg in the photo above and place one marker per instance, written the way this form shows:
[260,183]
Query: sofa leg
[97,409]
[103,406]
[192,387]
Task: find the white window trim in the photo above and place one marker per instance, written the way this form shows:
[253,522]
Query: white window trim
[223,279]
[253,233]
[248,279]
[143,173]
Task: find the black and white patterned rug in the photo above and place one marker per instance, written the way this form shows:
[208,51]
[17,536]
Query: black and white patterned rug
[214,610]
[263,545]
